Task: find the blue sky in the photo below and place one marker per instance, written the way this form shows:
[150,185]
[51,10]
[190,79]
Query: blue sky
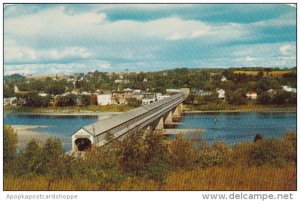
[67,38]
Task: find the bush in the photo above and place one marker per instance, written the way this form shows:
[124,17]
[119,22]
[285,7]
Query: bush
[9,144]
[182,153]
[9,147]
[217,155]
[270,151]
[133,102]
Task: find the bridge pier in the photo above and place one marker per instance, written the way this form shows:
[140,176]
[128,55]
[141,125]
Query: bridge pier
[169,119]
[178,111]
[160,124]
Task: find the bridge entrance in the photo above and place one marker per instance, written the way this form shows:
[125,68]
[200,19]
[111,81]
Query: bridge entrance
[83,144]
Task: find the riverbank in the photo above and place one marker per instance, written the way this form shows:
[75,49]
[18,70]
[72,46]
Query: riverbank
[243,108]
[52,112]
[92,110]
[26,133]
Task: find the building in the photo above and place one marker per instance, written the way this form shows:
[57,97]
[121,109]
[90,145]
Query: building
[104,99]
[172,91]
[148,98]
[10,101]
[161,97]
[204,93]
[251,95]
[289,89]
[16,89]
[137,94]
[186,91]
[221,93]
[119,97]
[272,92]
[223,79]
[43,94]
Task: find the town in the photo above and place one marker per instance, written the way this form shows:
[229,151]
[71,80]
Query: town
[227,86]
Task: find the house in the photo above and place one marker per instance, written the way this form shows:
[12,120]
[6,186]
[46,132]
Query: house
[10,101]
[251,95]
[42,94]
[223,79]
[148,98]
[186,91]
[272,92]
[221,93]
[16,89]
[172,91]
[104,99]
[86,93]
[137,94]
[289,89]
[161,97]
[204,93]
[119,97]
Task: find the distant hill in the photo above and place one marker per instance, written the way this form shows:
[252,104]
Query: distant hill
[14,77]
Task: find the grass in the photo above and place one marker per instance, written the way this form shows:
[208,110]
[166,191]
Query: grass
[271,73]
[72,109]
[213,178]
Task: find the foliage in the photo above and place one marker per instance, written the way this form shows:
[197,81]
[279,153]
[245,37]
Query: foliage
[217,155]
[9,145]
[182,153]
[144,160]
[133,102]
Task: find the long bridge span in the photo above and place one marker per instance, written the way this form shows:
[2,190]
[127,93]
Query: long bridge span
[153,116]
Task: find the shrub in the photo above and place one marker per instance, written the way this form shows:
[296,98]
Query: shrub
[182,153]
[270,151]
[9,144]
[217,155]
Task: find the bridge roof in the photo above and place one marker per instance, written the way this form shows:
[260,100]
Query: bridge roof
[116,120]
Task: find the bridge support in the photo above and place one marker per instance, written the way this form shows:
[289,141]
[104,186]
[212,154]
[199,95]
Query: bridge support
[169,119]
[178,111]
[160,124]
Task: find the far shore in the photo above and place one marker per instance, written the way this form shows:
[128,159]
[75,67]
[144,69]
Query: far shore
[65,113]
[283,109]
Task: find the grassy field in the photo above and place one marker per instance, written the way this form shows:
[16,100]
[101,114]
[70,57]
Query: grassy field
[213,178]
[271,73]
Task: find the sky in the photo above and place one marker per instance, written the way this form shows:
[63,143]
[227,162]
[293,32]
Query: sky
[70,38]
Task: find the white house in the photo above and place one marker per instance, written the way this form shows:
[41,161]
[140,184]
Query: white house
[251,95]
[161,97]
[148,98]
[223,79]
[289,89]
[104,99]
[221,93]
[10,101]
[16,89]
[42,94]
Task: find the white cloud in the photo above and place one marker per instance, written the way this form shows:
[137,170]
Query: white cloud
[284,49]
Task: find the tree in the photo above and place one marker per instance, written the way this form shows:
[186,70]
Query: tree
[31,159]
[53,165]
[9,144]
[264,98]
[236,98]
[85,100]
[133,102]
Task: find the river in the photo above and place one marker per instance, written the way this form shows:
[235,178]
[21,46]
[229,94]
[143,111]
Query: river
[230,127]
